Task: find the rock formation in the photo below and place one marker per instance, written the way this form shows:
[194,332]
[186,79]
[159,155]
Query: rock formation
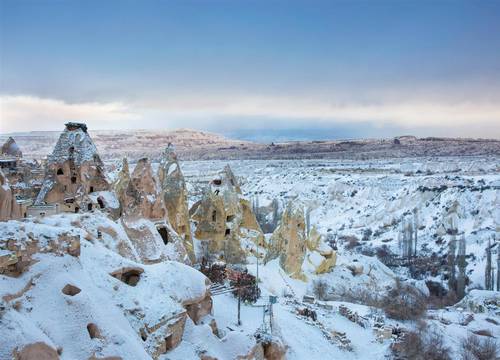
[10,148]
[174,196]
[144,216]
[224,220]
[293,246]
[9,208]
[144,192]
[74,169]
[128,309]
[288,241]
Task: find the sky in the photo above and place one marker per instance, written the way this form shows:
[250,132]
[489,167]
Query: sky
[259,69]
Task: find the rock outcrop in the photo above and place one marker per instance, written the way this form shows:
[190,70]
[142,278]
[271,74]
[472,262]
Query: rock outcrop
[106,304]
[298,251]
[224,220]
[144,192]
[74,169]
[174,196]
[144,216]
[288,241]
[9,208]
[10,148]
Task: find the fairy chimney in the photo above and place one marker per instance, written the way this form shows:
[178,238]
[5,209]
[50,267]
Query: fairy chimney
[74,169]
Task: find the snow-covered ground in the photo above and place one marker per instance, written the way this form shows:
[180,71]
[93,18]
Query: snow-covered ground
[355,198]
[362,199]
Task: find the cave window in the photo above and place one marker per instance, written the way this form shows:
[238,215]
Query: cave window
[214,215]
[60,171]
[101,203]
[169,343]
[73,179]
[217,182]
[228,232]
[77,209]
[164,234]
[91,189]
[69,200]
[96,158]
[89,207]
[71,150]
[230,218]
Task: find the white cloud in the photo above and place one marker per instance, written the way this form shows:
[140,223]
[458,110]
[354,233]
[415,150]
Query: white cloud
[481,118]
[28,113]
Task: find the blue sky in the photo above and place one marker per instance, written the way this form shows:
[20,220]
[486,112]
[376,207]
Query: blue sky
[356,68]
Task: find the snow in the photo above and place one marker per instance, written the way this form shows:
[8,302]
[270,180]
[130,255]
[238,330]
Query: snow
[345,198]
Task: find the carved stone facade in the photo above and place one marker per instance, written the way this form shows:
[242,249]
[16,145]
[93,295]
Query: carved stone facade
[74,169]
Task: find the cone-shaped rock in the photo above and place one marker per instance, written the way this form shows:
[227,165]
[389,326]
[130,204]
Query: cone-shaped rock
[223,219]
[174,196]
[74,169]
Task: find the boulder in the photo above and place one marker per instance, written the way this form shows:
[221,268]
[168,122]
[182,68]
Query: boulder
[36,351]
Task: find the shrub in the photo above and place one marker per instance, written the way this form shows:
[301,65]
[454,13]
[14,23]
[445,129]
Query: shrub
[248,289]
[320,289]
[404,302]
[350,242]
[473,348]
[422,344]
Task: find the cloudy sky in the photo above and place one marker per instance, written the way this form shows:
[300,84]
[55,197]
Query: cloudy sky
[253,68]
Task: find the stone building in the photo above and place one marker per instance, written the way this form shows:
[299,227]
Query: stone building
[73,170]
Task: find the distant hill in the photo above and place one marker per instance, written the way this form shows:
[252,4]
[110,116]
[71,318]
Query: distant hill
[196,145]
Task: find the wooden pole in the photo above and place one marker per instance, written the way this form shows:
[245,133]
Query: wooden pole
[239,301]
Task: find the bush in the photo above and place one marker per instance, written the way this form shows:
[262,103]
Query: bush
[422,344]
[320,289]
[248,288]
[404,302]
[473,348]
[350,242]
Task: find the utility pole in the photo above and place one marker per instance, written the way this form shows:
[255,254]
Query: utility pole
[257,277]
[239,300]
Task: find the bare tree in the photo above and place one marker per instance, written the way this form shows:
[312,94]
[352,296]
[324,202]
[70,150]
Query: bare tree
[488,270]
[415,227]
[498,270]
[452,280]
[462,264]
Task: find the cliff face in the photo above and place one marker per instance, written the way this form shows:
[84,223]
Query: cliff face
[74,169]
[223,218]
[174,196]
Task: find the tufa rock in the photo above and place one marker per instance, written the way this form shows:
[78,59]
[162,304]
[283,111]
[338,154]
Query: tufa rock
[9,208]
[223,218]
[174,196]
[10,148]
[74,169]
